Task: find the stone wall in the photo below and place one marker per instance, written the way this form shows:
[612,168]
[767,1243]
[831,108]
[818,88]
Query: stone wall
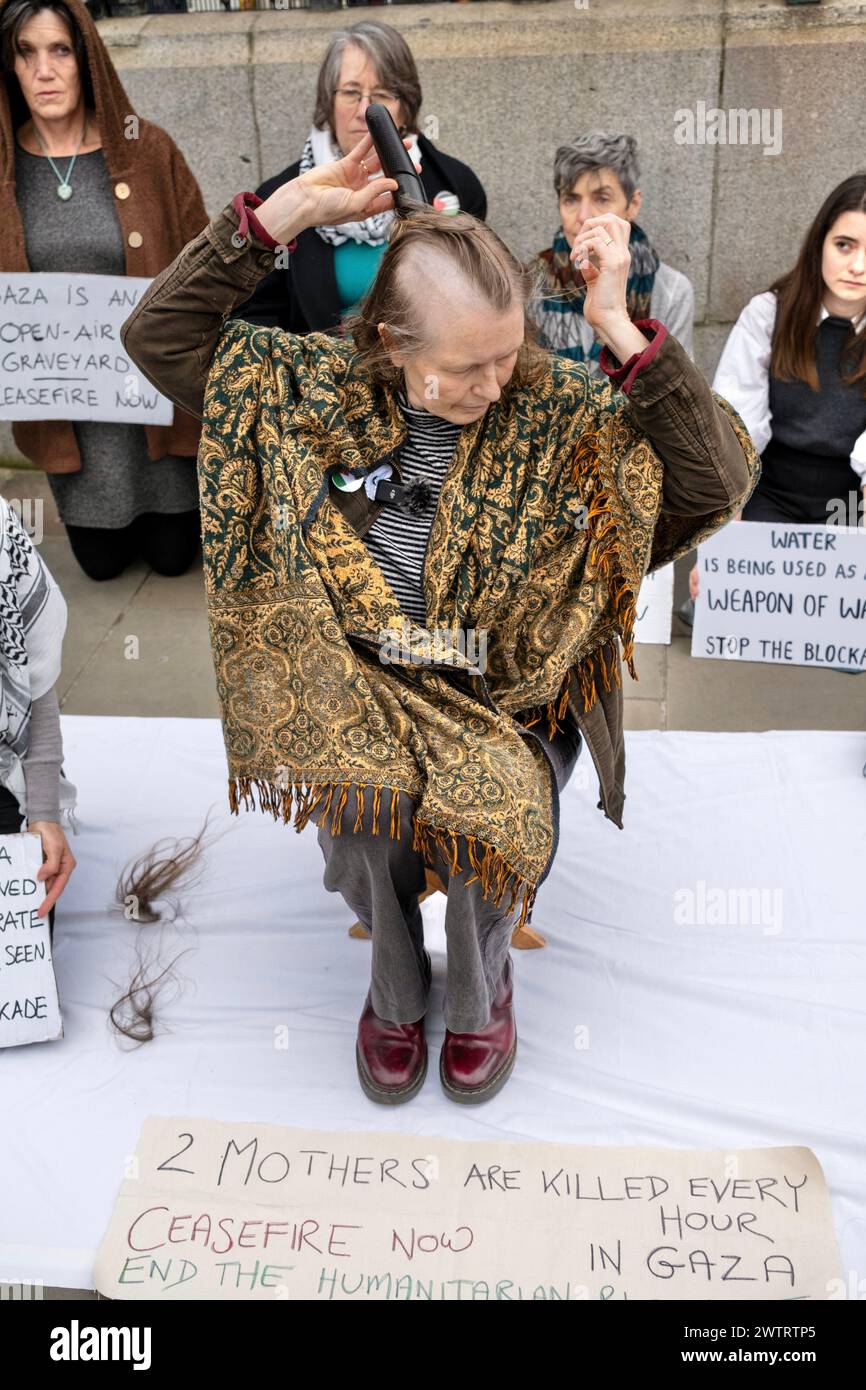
[504,84]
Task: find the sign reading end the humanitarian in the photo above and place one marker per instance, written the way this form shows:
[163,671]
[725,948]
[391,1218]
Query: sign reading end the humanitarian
[29,1008]
[61,356]
[216,1210]
[791,595]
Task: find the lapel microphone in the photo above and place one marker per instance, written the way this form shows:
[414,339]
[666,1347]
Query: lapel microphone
[415,498]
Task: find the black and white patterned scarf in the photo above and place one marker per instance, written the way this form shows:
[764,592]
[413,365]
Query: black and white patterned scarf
[32,624]
[321,148]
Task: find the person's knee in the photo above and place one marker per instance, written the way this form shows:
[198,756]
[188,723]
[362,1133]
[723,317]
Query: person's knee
[101,553]
[102,566]
[375,833]
[169,542]
[170,566]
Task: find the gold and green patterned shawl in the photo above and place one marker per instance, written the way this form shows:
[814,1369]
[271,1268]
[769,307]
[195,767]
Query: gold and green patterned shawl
[548,519]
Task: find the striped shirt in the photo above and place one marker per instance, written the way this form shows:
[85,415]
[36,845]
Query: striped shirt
[397,540]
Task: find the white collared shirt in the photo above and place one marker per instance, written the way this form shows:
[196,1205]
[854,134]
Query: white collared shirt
[742,375]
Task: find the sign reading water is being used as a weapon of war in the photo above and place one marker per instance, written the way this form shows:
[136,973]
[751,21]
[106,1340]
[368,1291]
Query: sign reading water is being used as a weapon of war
[61,357]
[29,1009]
[793,595]
[215,1210]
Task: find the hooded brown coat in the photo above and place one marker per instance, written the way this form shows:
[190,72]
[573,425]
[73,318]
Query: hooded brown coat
[159,208]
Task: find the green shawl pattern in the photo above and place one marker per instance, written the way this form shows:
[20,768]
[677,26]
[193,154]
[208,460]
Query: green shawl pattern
[548,519]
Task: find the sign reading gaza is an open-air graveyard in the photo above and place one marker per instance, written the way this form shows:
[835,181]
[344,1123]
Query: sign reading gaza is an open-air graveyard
[61,357]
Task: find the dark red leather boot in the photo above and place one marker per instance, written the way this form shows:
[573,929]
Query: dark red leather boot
[474,1066]
[391,1057]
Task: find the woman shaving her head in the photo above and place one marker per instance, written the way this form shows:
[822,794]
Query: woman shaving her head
[343,598]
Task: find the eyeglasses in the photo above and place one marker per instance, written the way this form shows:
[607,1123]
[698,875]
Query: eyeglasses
[351,96]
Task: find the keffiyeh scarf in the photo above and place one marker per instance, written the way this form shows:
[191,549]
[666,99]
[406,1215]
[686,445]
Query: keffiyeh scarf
[32,624]
[321,148]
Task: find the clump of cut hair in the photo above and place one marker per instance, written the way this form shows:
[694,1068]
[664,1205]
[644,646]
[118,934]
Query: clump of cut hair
[168,864]
[496,276]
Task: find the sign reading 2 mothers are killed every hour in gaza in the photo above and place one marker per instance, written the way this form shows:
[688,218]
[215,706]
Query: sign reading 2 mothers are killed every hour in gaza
[61,356]
[221,1210]
[793,595]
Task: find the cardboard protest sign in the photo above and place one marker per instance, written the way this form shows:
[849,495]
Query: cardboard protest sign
[793,595]
[29,1008]
[654,605]
[218,1210]
[61,357]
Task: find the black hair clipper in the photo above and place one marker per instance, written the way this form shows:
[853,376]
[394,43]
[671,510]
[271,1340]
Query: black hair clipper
[395,159]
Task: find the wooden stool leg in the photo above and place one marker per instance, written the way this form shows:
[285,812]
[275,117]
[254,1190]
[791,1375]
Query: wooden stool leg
[527,939]
[524,938]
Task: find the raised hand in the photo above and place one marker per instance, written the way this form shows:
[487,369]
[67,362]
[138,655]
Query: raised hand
[329,194]
[606,276]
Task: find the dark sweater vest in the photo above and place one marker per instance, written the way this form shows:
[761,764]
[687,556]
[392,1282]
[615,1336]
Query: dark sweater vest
[807,462]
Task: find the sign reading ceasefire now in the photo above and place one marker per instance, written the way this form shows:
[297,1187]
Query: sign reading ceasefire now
[61,357]
[215,1210]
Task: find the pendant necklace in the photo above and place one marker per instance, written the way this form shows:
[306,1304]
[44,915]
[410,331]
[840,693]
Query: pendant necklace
[64,188]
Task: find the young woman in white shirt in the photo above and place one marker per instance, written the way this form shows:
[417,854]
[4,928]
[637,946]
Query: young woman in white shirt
[794,367]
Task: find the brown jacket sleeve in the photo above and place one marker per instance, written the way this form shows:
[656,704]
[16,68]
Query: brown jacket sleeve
[710,463]
[172,333]
[705,467]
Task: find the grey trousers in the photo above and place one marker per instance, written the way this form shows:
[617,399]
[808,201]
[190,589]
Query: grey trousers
[380,879]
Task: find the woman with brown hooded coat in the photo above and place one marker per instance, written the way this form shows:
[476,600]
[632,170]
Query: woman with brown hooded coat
[89,187]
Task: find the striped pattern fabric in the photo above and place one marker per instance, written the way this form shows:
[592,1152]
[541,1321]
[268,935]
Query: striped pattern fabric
[397,541]
[32,624]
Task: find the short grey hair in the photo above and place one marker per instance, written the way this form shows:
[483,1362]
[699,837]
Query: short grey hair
[597,150]
[392,58]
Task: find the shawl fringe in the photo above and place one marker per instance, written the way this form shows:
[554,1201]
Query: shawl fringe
[489,866]
[601,664]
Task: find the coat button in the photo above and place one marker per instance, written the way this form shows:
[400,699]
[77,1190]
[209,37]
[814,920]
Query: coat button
[135,238]
[238,240]
[121,190]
